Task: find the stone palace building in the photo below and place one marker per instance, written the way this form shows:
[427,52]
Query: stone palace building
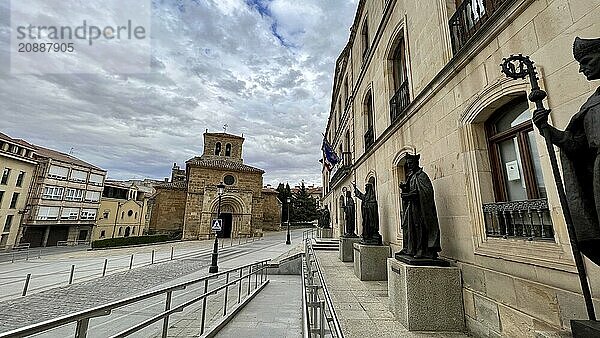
[425,76]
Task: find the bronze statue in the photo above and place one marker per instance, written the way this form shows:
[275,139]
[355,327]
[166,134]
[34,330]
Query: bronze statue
[325,218]
[420,227]
[350,215]
[580,145]
[370,215]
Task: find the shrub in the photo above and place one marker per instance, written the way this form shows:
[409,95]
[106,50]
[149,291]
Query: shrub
[123,241]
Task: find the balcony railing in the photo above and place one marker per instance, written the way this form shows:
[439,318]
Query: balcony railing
[344,169]
[529,219]
[399,102]
[369,139]
[470,15]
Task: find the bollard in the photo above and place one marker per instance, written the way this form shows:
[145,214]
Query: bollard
[72,272]
[13,257]
[26,284]
[104,268]
[131,262]
[172,249]
[40,254]
[152,260]
[27,258]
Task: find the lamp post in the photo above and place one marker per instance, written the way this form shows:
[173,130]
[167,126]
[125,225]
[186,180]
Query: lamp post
[215,254]
[288,240]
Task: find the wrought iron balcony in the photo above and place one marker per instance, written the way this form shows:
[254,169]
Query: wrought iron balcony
[399,102]
[529,219]
[369,139]
[470,15]
[343,170]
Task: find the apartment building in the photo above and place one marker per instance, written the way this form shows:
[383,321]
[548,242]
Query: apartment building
[18,165]
[123,210]
[64,200]
[425,76]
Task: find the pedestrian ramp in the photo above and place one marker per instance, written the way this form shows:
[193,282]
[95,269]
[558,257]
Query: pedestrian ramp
[275,312]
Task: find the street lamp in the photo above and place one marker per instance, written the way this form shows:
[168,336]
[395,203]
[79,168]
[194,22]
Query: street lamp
[215,254]
[288,241]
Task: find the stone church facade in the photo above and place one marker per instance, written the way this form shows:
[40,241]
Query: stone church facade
[189,202]
[425,76]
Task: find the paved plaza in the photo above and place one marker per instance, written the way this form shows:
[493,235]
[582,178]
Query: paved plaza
[362,306]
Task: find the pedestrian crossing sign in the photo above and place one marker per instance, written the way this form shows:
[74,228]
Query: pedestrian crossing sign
[217,224]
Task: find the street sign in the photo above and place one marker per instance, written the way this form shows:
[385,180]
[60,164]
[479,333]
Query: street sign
[217,224]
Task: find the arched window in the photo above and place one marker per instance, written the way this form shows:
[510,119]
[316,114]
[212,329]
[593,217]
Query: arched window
[122,214]
[516,168]
[521,208]
[399,82]
[228,149]
[135,215]
[364,33]
[368,120]
[102,234]
[218,148]
[127,231]
[120,231]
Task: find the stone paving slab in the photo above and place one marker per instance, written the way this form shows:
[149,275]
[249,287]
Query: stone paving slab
[362,306]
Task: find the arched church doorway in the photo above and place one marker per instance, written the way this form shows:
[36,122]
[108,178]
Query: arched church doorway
[227,225]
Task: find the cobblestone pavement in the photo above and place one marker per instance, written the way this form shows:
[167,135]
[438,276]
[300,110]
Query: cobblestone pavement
[84,295]
[362,306]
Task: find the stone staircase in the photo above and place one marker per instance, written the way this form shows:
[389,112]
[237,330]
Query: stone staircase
[326,244]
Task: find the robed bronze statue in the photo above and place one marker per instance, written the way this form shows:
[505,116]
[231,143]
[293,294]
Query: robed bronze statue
[350,216]
[580,145]
[420,226]
[325,218]
[370,215]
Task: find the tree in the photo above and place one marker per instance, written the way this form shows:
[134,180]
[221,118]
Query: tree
[304,206]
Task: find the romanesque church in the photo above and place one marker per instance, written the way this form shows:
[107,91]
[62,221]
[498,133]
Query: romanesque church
[189,201]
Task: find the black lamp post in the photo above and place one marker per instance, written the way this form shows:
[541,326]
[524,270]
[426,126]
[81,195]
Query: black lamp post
[288,240]
[215,254]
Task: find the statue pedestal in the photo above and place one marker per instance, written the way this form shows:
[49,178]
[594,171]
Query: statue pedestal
[370,261]
[425,298]
[347,248]
[585,328]
[325,232]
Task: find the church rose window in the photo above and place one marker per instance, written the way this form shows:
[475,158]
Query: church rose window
[229,180]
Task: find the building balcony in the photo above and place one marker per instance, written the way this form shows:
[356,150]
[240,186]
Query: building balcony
[528,219]
[345,167]
[399,102]
[369,139]
[469,17]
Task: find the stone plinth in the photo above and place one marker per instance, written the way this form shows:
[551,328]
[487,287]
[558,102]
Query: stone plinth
[347,248]
[585,328]
[425,298]
[370,261]
[325,232]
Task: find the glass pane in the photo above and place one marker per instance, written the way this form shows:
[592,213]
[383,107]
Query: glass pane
[512,170]
[514,114]
[537,167]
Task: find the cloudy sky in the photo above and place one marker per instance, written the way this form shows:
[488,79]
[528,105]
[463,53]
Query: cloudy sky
[263,67]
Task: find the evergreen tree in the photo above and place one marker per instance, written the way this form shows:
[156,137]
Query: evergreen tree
[304,206]
[283,193]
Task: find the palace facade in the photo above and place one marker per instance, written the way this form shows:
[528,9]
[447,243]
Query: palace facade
[424,76]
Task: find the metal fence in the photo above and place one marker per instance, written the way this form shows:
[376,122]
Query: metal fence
[222,281]
[318,315]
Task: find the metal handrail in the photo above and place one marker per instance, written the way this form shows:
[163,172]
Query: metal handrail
[305,315]
[82,318]
[328,302]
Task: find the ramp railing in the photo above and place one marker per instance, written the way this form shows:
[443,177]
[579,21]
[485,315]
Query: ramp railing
[318,314]
[237,279]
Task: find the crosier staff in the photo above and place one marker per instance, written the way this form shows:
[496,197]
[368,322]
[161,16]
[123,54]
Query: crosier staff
[521,67]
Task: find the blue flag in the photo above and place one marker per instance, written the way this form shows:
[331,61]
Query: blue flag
[329,155]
